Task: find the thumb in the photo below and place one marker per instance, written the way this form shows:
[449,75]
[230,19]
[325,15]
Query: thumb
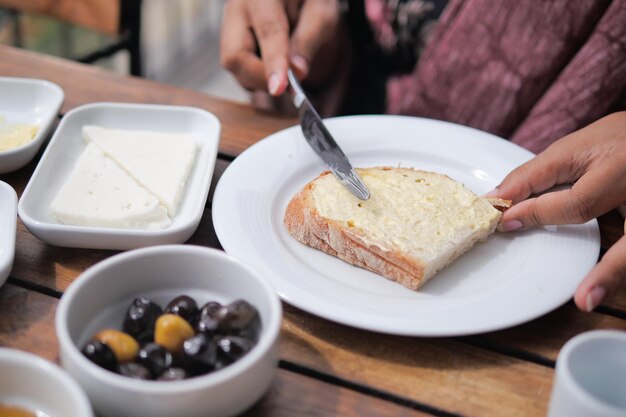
[317,24]
[604,278]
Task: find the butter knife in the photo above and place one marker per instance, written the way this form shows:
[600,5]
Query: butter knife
[322,142]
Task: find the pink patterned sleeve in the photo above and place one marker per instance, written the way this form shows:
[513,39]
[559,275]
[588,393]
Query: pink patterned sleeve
[585,90]
[525,70]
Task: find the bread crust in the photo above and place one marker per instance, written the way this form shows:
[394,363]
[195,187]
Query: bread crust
[304,222]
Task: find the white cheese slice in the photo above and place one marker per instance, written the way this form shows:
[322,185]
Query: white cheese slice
[99,193]
[160,162]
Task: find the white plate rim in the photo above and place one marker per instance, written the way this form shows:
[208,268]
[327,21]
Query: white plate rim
[343,315]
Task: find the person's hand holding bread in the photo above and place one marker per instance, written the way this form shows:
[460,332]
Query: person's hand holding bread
[593,160]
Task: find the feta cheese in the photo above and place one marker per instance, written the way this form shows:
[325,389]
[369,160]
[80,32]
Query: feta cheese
[160,162]
[99,193]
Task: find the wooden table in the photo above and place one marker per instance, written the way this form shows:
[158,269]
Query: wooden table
[326,369]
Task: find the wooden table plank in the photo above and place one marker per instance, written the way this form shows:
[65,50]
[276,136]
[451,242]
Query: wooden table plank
[242,125]
[443,373]
[546,336]
[448,375]
[27,323]
[294,395]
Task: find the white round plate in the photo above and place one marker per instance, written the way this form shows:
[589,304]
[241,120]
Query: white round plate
[507,280]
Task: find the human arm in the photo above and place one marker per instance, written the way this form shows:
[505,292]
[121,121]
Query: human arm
[593,160]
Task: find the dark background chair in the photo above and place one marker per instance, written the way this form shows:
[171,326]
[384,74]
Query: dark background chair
[119,20]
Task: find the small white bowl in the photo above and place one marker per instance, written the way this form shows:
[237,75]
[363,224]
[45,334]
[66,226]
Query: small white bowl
[100,297]
[67,145]
[29,101]
[8,223]
[35,384]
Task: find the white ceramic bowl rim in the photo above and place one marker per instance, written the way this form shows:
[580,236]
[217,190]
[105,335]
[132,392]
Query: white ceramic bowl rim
[18,358]
[565,356]
[35,142]
[7,236]
[269,332]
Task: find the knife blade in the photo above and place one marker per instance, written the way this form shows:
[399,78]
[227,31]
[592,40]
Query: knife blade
[322,142]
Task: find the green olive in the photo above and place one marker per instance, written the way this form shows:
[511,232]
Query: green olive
[123,345]
[170,331]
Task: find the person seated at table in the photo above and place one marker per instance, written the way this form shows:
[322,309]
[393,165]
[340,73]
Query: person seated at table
[524,70]
[530,71]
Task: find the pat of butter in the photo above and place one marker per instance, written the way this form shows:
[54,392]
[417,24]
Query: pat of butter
[99,193]
[15,135]
[159,162]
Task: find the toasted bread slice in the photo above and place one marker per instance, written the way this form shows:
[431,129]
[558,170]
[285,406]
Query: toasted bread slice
[414,224]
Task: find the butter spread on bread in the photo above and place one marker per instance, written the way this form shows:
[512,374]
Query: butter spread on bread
[413,225]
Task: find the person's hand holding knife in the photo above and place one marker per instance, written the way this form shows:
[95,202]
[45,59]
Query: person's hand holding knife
[261,39]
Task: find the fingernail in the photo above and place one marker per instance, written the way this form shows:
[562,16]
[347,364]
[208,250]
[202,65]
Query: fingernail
[595,297]
[511,225]
[273,84]
[300,63]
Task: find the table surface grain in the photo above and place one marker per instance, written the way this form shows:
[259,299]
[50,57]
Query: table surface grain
[325,369]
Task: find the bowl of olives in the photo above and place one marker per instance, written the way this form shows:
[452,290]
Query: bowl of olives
[170,330]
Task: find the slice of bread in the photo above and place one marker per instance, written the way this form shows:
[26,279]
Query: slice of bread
[413,225]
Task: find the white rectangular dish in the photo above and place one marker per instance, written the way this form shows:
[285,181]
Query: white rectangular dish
[67,145]
[27,101]
[8,222]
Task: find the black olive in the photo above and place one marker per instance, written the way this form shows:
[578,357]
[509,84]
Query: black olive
[183,306]
[154,357]
[141,316]
[199,353]
[211,307]
[241,314]
[207,321]
[173,374]
[236,317]
[232,348]
[206,324]
[253,331]
[145,337]
[100,354]
[135,370]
